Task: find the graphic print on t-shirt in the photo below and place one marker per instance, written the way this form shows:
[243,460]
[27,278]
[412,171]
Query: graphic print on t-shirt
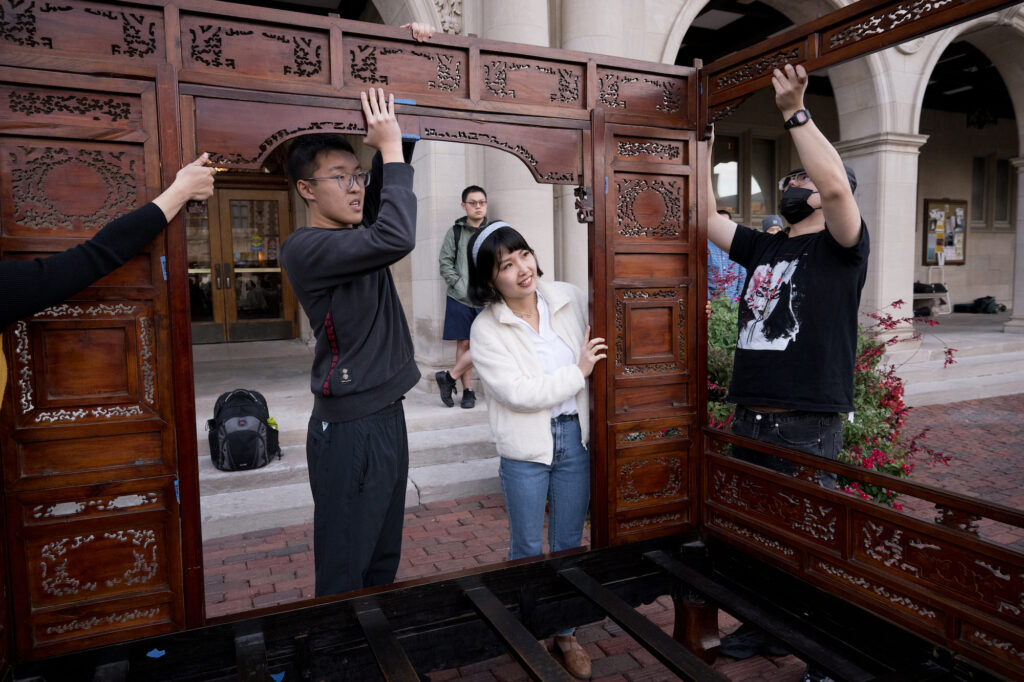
[769,320]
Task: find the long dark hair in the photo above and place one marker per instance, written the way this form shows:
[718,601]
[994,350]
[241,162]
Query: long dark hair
[481,268]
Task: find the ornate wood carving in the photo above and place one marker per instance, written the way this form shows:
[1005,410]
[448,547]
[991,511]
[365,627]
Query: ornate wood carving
[800,513]
[67,106]
[375,62]
[650,331]
[133,34]
[647,480]
[119,382]
[529,81]
[879,23]
[584,204]
[257,50]
[552,154]
[653,151]
[663,98]
[74,189]
[856,30]
[649,207]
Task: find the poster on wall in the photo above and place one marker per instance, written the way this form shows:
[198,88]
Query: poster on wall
[945,232]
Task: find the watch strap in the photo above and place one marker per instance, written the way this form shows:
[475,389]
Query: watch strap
[799,117]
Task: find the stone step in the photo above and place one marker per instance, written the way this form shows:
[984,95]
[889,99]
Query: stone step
[970,378]
[964,366]
[228,512]
[968,345]
[969,388]
[426,449]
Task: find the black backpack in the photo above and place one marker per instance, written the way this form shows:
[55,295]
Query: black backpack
[240,437]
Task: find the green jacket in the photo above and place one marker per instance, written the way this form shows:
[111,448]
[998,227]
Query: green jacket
[454,262]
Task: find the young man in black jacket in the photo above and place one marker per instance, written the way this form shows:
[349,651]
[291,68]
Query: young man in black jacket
[356,444]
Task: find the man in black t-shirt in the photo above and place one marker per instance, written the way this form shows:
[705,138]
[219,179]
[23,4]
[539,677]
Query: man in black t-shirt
[794,361]
[793,367]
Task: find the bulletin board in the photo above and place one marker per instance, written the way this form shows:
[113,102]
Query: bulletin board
[945,232]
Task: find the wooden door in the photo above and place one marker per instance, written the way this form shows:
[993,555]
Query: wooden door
[647,297]
[90,481]
[237,290]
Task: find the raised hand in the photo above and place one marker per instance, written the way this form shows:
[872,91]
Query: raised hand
[193,182]
[420,32]
[590,353]
[382,129]
[790,83]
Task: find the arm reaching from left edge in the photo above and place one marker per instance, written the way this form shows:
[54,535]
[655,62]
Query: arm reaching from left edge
[33,285]
[820,160]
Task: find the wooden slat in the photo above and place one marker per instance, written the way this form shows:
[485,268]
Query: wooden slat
[391,657]
[853,31]
[780,628]
[650,636]
[521,644]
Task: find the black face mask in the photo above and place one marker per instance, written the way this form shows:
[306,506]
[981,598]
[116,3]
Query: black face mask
[793,205]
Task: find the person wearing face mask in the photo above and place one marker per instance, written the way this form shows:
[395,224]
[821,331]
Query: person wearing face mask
[532,350]
[793,368]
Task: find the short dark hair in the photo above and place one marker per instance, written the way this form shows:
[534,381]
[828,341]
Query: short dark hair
[301,162]
[472,188]
[724,212]
[481,268]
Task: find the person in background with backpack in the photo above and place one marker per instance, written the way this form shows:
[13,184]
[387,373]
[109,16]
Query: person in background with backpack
[459,311]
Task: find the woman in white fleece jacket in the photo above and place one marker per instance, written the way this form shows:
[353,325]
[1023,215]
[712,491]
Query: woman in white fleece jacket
[533,352]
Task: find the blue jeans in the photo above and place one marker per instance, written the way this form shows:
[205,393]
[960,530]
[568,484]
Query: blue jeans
[816,433]
[565,484]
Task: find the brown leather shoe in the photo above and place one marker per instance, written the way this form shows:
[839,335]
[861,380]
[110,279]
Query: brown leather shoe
[574,657]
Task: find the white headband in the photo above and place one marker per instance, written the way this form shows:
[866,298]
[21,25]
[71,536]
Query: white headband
[485,234]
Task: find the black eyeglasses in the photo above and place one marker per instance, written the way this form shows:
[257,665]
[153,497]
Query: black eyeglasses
[347,181]
[477,204]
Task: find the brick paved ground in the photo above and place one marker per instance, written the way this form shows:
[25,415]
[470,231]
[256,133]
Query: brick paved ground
[275,566]
[985,441]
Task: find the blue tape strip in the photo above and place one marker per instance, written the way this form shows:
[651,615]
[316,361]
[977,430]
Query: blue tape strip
[606,184]
[410,102]
[277,677]
[410,136]
[155,653]
[163,266]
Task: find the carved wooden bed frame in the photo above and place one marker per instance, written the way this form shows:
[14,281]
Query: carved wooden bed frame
[100,103]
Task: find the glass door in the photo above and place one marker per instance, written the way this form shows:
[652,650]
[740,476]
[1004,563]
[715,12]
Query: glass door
[238,290]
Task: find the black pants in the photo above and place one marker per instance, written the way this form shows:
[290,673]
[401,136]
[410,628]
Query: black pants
[358,471]
[816,433]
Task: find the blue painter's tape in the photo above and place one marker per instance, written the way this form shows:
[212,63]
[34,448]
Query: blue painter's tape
[410,102]
[177,493]
[606,184]
[163,266]
[410,136]
[155,653]
[277,677]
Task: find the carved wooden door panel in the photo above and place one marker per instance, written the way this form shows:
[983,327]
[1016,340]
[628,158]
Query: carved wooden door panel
[87,430]
[645,271]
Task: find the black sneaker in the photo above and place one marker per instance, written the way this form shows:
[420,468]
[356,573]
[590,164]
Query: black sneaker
[468,398]
[447,386]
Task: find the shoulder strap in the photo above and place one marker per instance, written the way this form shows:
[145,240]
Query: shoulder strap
[457,229]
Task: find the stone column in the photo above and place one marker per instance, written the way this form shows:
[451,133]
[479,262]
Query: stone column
[886,168]
[1015,325]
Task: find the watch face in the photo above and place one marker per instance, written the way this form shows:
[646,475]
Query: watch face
[801,116]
